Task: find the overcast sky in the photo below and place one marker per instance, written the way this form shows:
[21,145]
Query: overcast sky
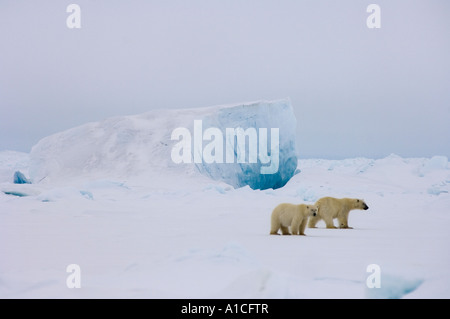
[355,91]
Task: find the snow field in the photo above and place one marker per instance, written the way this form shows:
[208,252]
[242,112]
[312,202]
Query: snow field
[177,237]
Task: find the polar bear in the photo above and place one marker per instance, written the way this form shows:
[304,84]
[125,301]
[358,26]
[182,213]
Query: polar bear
[330,208]
[295,216]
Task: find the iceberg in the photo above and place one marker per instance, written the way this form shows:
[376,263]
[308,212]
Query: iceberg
[19,178]
[240,144]
[277,116]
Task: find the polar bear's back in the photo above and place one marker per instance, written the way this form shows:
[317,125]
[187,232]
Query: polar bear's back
[285,212]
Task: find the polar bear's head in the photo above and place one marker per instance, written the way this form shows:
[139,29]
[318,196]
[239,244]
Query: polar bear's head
[312,210]
[360,204]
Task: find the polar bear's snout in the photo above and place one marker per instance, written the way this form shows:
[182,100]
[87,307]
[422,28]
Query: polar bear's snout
[365,207]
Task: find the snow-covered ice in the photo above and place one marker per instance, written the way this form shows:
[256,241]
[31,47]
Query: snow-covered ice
[19,178]
[137,145]
[140,226]
[209,240]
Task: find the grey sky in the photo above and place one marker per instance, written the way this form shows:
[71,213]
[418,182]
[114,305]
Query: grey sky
[356,91]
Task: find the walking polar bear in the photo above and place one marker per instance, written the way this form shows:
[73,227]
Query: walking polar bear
[330,208]
[291,215]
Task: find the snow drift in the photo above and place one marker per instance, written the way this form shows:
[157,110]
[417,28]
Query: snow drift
[140,145]
[212,241]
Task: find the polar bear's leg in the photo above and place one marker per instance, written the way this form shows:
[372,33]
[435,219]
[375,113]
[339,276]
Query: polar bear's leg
[274,231]
[285,230]
[329,221]
[343,220]
[313,221]
[274,224]
[303,226]
[295,226]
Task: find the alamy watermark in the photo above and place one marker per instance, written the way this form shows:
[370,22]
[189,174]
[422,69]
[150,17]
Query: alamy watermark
[73,21]
[374,279]
[74,279]
[374,19]
[190,147]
